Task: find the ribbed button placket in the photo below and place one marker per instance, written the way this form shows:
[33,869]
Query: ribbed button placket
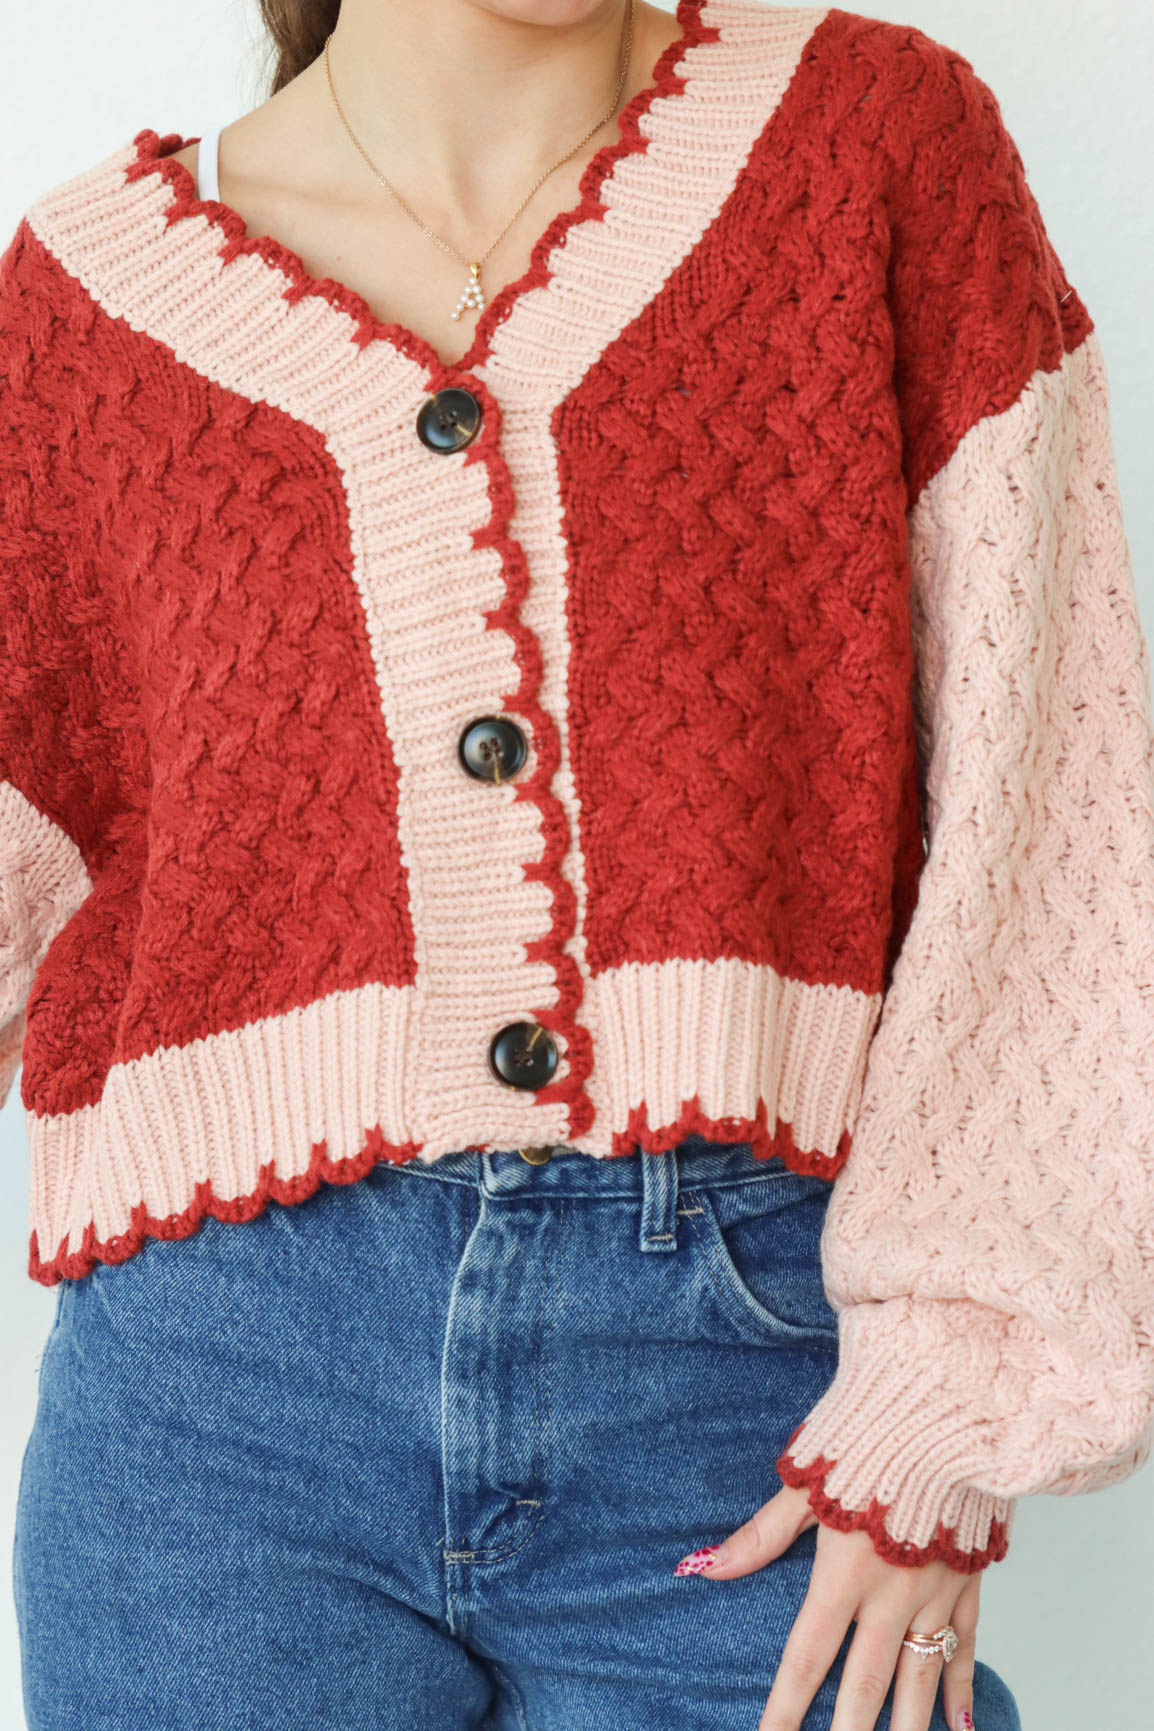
[491,748]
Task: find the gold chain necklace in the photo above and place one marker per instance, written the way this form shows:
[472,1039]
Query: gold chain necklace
[472,299]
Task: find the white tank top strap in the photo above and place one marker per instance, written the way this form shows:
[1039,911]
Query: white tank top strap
[207,164]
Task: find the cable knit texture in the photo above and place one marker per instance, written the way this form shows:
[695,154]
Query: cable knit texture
[791,540]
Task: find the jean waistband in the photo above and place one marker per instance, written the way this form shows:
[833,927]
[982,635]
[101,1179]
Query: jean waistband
[572,1172]
[654,1179]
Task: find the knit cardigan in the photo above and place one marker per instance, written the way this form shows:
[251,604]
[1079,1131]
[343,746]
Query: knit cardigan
[790,537]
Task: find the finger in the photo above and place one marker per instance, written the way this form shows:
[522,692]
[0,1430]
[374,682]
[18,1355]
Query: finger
[817,1633]
[768,1532]
[918,1677]
[958,1687]
[869,1669]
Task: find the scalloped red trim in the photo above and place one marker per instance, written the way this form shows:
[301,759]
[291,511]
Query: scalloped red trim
[154,155]
[765,1143]
[832,1513]
[74,1265]
[207,1204]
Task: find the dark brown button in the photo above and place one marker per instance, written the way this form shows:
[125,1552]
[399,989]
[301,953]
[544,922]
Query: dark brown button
[523,1055]
[536,1156]
[449,419]
[492,749]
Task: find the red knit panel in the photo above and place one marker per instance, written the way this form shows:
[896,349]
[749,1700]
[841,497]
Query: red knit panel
[71,734]
[974,278]
[742,744]
[272,873]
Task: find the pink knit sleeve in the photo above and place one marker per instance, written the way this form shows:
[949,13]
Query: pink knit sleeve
[990,1240]
[62,674]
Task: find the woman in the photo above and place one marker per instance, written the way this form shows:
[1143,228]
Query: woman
[579,866]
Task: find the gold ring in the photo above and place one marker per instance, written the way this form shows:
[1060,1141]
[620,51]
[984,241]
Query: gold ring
[943,1641]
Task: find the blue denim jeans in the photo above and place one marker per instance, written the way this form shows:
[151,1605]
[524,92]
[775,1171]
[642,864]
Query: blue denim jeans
[421,1452]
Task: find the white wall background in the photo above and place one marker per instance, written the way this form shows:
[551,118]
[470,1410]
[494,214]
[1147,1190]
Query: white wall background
[1065,1617]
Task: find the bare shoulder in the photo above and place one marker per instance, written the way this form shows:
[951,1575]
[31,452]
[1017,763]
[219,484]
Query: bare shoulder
[188,156]
[253,146]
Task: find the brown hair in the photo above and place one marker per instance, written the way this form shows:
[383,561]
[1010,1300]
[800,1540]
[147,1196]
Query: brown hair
[297,30]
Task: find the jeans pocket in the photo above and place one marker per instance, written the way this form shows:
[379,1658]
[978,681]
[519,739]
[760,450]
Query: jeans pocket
[760,1248]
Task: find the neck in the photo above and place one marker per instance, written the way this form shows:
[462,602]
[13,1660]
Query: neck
[462,105]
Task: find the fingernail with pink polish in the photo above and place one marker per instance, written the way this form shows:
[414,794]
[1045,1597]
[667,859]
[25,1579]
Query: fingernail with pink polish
[702,1559]
[965,1722]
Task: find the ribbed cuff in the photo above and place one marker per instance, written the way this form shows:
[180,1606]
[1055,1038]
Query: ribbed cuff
[900,1440]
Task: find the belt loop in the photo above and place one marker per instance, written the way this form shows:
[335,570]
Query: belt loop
[659,1200]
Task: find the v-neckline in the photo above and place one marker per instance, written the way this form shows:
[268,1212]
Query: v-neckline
[156,153]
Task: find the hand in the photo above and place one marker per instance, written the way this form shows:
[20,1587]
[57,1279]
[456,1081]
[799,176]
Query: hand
[851,1582]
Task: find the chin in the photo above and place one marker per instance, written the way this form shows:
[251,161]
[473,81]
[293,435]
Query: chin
[556,12]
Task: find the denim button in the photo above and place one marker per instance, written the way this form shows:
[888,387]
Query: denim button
[523,1055]
[536,1156]
[449,419]
[492,748]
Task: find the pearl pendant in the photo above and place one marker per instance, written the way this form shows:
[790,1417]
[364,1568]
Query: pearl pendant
[472,300]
